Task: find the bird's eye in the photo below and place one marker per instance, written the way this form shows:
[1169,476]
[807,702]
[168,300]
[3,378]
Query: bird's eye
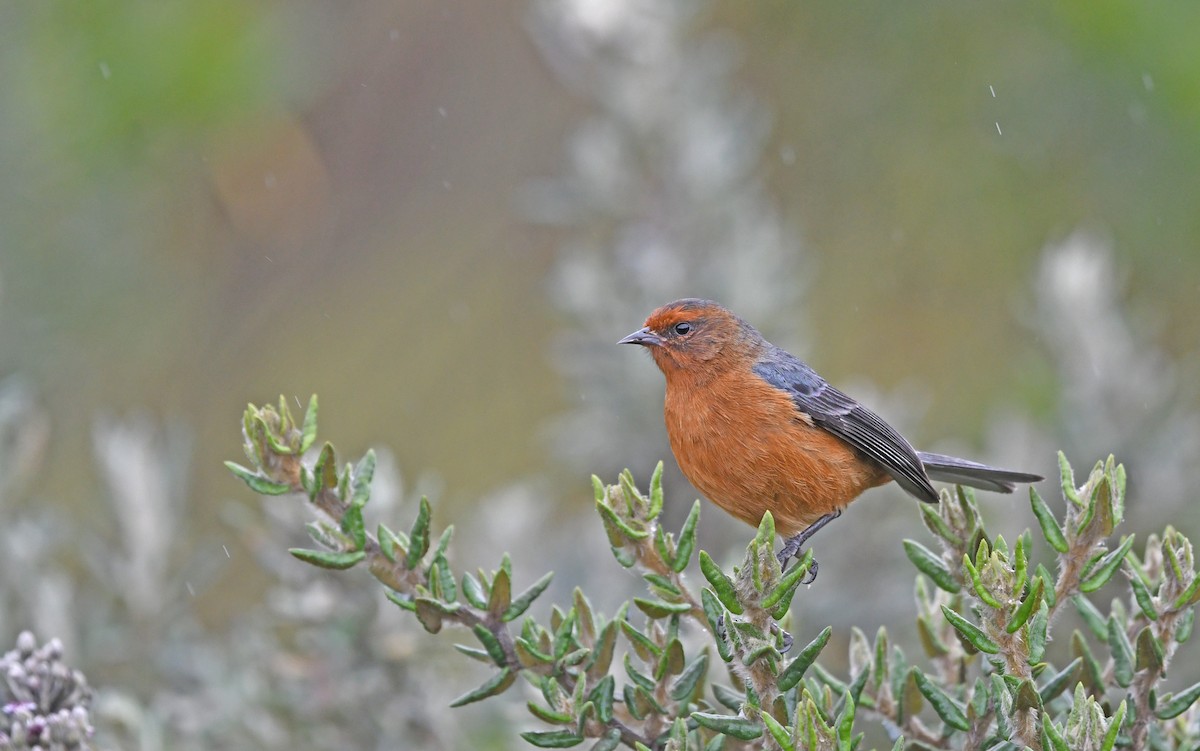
[682,328]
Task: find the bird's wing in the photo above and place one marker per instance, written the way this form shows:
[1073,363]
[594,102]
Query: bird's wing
[845,418]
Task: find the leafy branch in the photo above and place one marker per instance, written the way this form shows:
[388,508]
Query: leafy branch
[985,611]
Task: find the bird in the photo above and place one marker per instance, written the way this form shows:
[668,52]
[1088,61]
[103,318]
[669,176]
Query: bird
[755,429]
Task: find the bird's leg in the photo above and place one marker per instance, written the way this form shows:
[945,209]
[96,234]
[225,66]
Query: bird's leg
[794,544]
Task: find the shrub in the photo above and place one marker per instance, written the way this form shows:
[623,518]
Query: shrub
[985,612]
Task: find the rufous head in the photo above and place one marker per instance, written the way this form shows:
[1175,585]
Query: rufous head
[691,332]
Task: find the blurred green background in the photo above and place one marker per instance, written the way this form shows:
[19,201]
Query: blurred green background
[402,207]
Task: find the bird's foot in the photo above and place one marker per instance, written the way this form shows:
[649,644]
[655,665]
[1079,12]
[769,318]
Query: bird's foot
[794,545]
[787,638]
[722,633]
[792,549]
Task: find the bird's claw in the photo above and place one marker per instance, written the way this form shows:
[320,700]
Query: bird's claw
[787,638]
[785,561]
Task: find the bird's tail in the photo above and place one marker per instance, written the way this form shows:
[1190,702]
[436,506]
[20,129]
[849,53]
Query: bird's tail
[965,472]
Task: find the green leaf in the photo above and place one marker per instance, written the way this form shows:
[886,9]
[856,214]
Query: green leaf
[273,439]
[475,654]
[442,579]
[528,654]
[1114,728]
[389,543]
[633,499]
[845,723]
[256,482]
[1059,681]
[1052,737]
[602,653]
[363,473]
[309,431]
[722,585]
[1171,706]
[663,586]
[614,521]
[500,598]
[1183,629]
[473,591]
[671,661]
[1050,528]
[765,538]
[325,470]
[1122,652]
[932,643]
[497,684]
[780,734]
[1027,696]
[728,697]
[552,738]
[930,564]
[1045,575]
[609,741]
[1030,605]
[549,715]
[714,612]
[656,492]
[602,697]
[526,598]
[981,591]
[678,736]
[1106,566]
[795,670]
[659,609]
[405,602]
[949,710]
[1190,595]
[1067,480]
[1095,622]
[1092,676]
[338,561]
[490,643]
[418,538]
[763,650]
[352,525]
[1142,595]
[972,633]
[634,704]
[624,557]
[564,637]
[684,687]
[938,526]
[687,537]
[788,583]
[1020,564]
[664,543]
[734,727]
[1150,653]
[639,679]
[1100,506]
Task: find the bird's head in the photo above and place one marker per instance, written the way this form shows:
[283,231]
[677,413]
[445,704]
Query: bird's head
[692,333]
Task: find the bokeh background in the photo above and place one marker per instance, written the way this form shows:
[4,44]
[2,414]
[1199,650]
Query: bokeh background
[979,218]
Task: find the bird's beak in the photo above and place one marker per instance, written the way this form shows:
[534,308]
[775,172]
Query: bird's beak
[644,337]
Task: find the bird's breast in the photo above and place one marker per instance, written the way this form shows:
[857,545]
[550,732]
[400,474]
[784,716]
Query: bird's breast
[745,445]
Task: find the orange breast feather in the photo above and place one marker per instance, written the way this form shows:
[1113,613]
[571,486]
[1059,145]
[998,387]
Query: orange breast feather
[744,445]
